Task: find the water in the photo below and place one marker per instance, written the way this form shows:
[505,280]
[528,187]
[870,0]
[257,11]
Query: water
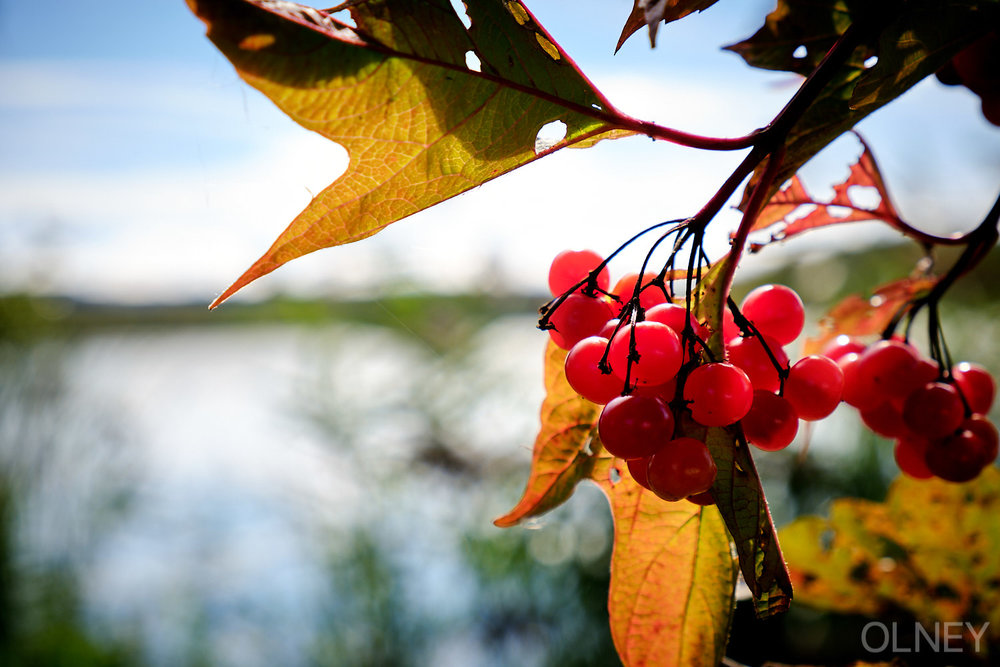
[294,495]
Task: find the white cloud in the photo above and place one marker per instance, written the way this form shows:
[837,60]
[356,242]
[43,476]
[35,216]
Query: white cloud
[183,222]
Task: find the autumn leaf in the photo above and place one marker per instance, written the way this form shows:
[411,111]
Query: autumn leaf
[420,125]
[860,316]
[653,12]
[842,207]
[672,576]
[564,452]
[920,36]
[930,550]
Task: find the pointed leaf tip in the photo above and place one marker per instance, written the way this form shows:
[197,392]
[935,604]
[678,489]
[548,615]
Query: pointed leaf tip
[420,126]
[562,455]
[650,13]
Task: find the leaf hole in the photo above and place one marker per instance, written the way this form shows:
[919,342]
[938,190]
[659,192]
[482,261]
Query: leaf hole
[838,211]
[344,16]
[615,475]
[463,14]
[549,135]
[864,196]
[871,62]
[800,52]
[472,61]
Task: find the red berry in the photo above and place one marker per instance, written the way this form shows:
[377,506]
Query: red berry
[977,65]
[927,371]
[889,367]
[911,457]
[987,434]
[584,374]
[842,345]
[750,355]
[857,392]
[886,419]
[608,330]
[990,106]
[771,423]
[704,498]
[659,349]
[576,318]
[957,458]
[632,427]
[571,266]
[637,468]
[976,385]
[673,315]
[934,410]
[729,328]
[776,311]
[684,467]
[665,391]
[649,296]
[720,394]
[814,387]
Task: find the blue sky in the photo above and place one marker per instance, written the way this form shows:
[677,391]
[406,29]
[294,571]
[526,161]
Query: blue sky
[135,165]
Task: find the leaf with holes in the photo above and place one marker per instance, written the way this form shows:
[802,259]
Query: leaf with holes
[672,576]
[856,315]
[419,123]
[928,551]
[563,453]
[778,214]
[652,12]
[911,40]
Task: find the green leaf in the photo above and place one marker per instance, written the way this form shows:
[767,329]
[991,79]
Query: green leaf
[737,489]
[418,124]
[564,451]
[915,38]
[672,576]
[740,498]
[929,550]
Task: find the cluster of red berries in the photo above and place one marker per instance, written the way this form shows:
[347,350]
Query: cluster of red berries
[633,369]
[938,421]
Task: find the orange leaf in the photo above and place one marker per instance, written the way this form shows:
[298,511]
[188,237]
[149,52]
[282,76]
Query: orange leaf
[793,198]
[672,576]
[859,316]
[563,453]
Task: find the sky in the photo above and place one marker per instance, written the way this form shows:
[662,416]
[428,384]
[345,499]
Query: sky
[135,165]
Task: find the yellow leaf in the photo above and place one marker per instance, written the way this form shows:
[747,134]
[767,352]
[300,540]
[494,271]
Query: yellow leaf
[672,576]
